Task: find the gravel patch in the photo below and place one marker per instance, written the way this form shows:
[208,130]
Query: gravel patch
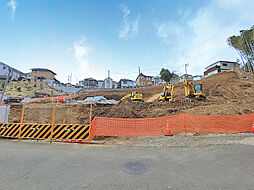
[180,140]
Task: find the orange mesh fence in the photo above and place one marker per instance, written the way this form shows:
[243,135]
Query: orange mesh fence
[48,98]
[181,123]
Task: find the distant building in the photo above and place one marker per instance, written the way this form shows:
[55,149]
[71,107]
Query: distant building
[42,74]
[114,84]
[181,78]
[157,81]
[220,66]
[100,83]
[108,83]
[90,83]
[126,83]
[143,80]
[197,77]
[15,75]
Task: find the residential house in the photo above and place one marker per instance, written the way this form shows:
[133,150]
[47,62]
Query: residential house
[42,74]
[108,83]
[143,80]
[90,83]
[100,84]
[125,83]
[220,66]
[181,78]
[15,74]
[157,81]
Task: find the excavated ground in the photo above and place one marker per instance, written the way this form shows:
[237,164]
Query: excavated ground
[226,94]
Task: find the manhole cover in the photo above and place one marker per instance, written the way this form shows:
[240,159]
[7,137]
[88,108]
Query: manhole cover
[135,168]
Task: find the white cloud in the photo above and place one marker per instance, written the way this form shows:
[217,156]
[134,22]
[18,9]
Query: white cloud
[13,6]
[169,32]
[201,39]
[129,28]
[81,52]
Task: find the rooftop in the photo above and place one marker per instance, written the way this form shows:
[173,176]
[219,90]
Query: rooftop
[233,62]
[12,68]
[43,69]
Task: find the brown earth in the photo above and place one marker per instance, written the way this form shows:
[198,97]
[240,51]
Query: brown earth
[226,94]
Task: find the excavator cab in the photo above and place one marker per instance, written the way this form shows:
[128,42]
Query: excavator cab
[198,89]
[167,94]
[137,96]
[193,90]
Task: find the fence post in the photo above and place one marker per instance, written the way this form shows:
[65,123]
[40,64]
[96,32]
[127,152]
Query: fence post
[91,109]
[21,120]
[53,122]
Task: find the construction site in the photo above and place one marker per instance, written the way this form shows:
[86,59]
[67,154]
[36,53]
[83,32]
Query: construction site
[226,93]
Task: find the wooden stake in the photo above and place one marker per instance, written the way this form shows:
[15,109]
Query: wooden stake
[21,120]
[91,109]
[53,122]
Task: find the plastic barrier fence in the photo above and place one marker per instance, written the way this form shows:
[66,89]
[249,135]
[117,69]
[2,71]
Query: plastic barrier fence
[35,131]
[181,123]
[47,98]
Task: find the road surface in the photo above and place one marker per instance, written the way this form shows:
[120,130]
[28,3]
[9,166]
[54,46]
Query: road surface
[31,165]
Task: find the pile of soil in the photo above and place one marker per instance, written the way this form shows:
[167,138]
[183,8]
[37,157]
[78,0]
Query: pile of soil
[226,94]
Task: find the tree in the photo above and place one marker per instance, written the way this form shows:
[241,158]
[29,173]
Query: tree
[166,75]
[244,45]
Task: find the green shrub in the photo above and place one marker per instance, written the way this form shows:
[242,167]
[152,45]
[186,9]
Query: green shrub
[19,89]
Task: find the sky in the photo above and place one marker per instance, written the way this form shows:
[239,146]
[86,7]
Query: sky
[85,38]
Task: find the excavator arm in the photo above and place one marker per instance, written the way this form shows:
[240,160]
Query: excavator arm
[127,96]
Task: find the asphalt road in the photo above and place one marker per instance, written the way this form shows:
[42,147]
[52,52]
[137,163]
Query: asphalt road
[76,166]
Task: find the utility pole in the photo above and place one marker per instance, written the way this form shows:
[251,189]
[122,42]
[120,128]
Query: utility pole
[186,65]
[5,84]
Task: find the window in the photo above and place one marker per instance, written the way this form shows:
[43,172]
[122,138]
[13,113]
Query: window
[225,64]
[124,82]
[36,71]
[4,67]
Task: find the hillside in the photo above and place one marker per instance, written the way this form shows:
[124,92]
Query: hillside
[27,88]
[226,94]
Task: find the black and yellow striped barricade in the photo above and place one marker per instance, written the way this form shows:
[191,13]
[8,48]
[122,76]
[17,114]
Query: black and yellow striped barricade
[46,131]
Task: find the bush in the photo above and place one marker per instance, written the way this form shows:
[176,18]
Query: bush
[35,85]
[20,78]
[19,89]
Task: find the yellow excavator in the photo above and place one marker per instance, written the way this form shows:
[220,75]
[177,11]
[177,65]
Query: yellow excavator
[193,90]
[167,94]
[135,96]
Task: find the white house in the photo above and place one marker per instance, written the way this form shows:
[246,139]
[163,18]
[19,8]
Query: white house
[15,75]
[108,83]
[220,66]
[197,77]
[126,83]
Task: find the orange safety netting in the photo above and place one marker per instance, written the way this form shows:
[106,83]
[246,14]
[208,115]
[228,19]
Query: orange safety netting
[181,123]
[48,98]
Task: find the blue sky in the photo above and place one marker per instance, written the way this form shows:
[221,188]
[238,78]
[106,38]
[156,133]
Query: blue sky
[86,38]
